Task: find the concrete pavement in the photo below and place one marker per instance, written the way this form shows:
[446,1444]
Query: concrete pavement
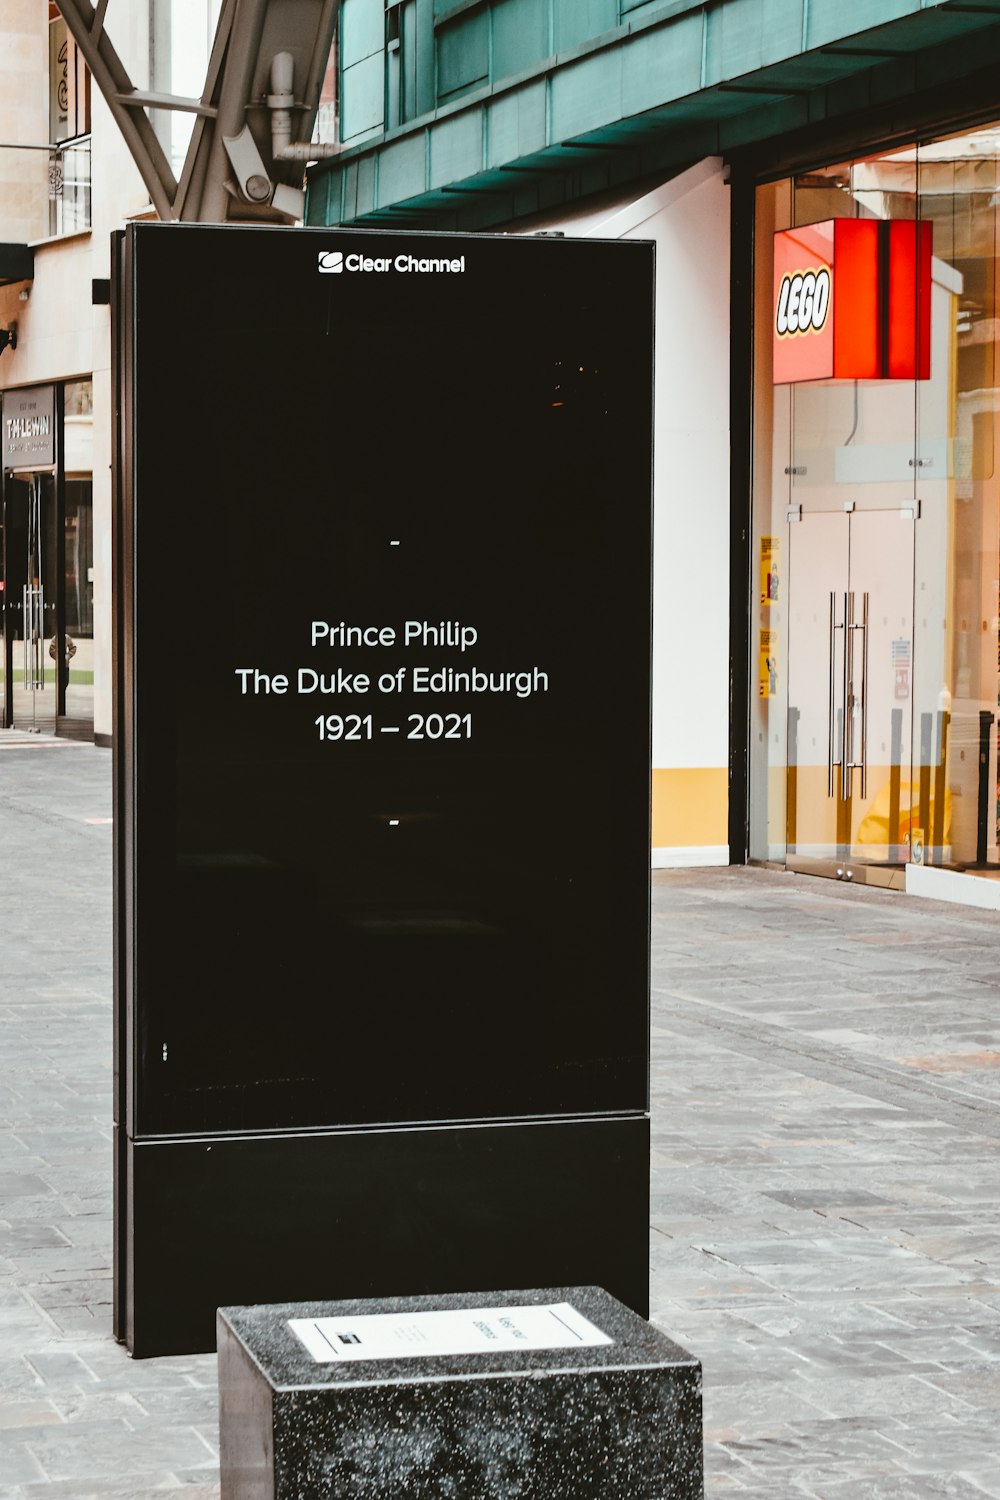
[826,1167]
[826,1171]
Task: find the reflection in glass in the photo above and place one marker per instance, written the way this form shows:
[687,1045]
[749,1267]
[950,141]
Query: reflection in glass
[79,600]
[906,473]
[30,598]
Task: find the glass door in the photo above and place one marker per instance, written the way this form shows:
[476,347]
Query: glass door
[29,534]
[818,551]
[883,487]
[850,804]
[852,512]
[77,713]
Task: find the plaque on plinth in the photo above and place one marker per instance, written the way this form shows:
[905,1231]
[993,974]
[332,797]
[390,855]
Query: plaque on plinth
[557,1394]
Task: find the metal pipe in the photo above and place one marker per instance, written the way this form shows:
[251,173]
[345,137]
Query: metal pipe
[308,151]
[281,102]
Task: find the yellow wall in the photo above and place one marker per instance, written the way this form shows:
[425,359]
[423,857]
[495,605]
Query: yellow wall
[690,807]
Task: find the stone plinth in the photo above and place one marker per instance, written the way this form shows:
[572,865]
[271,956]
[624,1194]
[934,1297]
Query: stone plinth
[612,1413]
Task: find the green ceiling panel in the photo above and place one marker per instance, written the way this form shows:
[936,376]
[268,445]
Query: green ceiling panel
[532,104]
[463,53]
[585,94]
[744,35]
[323,200]
[773,115]
[802,74]
[558,158]
[362,30]
[662,64]
[694,78]
[424,65]
[362,101]
[930,29]
[366,185]
[709,105]
[576,20]
[347,184]
[847,95]
[502,129]
[456,148]
[401,169]
[515,125]
[520,35]
[833,20]
[938,65]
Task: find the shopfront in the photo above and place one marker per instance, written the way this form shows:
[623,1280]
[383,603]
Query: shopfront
[874,614]
[47,559]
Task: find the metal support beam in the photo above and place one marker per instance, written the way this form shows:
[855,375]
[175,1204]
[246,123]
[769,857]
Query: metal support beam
[248,35]
[86,26]
[143,99]
[196,162]
[235,85]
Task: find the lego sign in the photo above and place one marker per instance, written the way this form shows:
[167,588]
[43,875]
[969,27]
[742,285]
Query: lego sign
[803,302]
[852,301]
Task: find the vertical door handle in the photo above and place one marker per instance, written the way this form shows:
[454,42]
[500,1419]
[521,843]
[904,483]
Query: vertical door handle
[864,695]
[34,629]
[26,630]
[846,737]
[831,735]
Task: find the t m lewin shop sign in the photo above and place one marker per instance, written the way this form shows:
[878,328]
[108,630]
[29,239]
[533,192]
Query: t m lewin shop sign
[28,424]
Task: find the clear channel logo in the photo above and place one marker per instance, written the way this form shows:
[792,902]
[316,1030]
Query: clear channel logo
[335,263]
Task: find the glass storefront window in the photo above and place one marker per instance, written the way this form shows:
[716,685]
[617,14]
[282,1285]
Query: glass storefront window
[30,624]
[69,132]
[78,554]
[47,581]
[69,187]
[875,634]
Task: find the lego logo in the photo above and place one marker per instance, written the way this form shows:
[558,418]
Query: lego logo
[331,262]
[803,302]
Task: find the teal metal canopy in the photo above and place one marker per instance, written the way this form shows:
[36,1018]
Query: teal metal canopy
[668,83]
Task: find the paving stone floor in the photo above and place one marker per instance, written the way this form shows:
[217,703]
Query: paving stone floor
[826,1168]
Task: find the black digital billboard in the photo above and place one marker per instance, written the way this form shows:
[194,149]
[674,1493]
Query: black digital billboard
[383,712]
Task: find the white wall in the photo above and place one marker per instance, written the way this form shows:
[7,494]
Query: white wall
[689,219]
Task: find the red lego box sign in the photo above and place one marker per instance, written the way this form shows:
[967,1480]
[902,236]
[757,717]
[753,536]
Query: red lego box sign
[803,303]
[852,301]
[908,299]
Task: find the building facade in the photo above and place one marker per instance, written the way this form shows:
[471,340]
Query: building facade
[827,623]
[821,181]
[67,181]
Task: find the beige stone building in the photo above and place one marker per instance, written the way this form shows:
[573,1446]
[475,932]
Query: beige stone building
[66,181]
